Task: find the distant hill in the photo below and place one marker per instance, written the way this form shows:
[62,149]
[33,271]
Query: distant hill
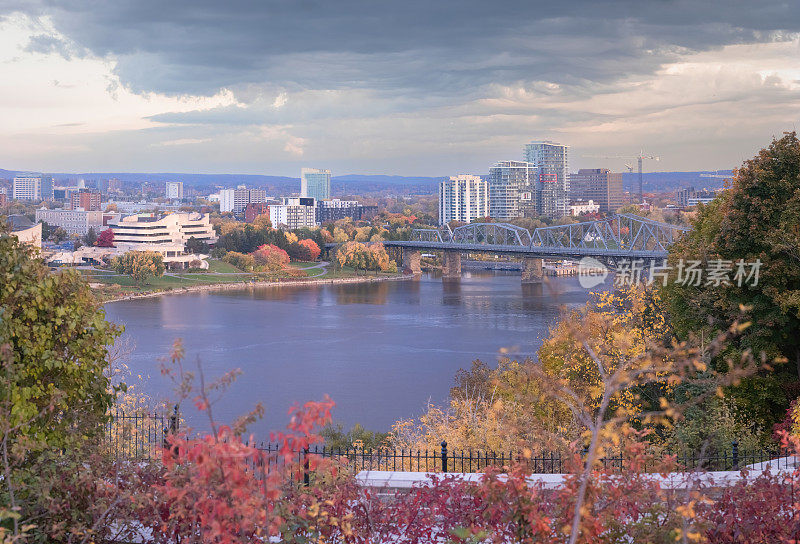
[672,181]
[363,183]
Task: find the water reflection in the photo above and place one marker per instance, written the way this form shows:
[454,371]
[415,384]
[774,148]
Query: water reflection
[362,293]
[381,350]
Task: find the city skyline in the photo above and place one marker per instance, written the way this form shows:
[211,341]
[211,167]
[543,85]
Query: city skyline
[149,88]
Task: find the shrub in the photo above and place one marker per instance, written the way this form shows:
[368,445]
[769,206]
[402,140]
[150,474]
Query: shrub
[241,261]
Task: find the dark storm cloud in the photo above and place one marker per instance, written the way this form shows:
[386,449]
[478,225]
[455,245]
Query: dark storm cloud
[428,47]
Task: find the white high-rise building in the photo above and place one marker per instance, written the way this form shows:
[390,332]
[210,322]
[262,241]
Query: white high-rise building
[174,190]
[315,183]
[35,187]
[551,161]
[511,189]
[236,200]
[463,198]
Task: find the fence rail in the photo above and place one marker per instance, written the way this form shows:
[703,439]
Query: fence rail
[140,435]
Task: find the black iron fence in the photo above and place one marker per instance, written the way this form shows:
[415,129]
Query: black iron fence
[444,460]
[143,435]
[139,434]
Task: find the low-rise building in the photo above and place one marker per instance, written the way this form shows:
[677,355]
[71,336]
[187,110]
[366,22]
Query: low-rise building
[689,197]
[334,209]
[579,207]
[293,213]
[175,228]
[73,221]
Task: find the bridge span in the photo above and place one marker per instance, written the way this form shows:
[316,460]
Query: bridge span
[615,238]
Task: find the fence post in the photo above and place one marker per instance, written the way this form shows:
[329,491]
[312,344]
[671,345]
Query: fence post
[173,420]
[306,478]
[735,454]
[444,456]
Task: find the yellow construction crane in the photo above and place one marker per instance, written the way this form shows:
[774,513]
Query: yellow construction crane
[640,157]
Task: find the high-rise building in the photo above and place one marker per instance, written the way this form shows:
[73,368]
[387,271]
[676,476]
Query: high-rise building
[236,200]
[315,183]
[174,190]
[511,190]
[463,198]
[3,197]
[293,213]
[551,161]
[84,199]
[35,187]
[598,184]
[109,186]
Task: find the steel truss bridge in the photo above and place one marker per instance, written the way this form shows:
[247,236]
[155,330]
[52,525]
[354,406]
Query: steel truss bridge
[622,236]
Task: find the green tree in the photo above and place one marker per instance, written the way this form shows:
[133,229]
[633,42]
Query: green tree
[90,238]
[54,382]
[139,265]
[193,245]
[755,220]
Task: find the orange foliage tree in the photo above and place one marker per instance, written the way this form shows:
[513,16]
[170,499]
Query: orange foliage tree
[270,257]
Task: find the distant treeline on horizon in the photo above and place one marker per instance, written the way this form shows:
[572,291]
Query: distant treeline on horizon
[354,183]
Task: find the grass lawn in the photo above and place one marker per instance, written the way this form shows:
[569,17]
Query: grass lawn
[302,265]
[215,265]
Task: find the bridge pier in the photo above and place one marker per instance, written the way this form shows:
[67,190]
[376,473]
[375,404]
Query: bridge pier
[451,265]
[411,262]
[532,271]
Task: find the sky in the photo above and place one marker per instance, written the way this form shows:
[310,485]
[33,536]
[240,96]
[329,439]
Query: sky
[422,88]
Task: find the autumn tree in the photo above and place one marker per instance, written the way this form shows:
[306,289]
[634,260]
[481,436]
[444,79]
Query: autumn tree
[313,248]
[270,258]
[246,263]
[304,250]
[752,228]
[106,238]
[139,265]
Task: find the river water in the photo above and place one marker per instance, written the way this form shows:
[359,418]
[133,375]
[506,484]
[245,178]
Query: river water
[382,351]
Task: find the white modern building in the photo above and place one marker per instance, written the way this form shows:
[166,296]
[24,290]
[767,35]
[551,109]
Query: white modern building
[75,221]
[315,183]
[583,206]
[35,187]
[511,190]
[551,162]
[463,198]
[174,190]
[293,213]
[236,200]
[175,228]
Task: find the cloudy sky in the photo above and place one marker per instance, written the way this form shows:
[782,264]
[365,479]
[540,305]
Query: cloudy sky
[405,87]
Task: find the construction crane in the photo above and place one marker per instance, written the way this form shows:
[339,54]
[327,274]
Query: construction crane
[640,158]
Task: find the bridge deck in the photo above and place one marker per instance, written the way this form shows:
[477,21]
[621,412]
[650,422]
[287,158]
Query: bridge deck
[530,251]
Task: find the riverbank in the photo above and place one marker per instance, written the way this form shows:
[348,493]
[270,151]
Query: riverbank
[241,285]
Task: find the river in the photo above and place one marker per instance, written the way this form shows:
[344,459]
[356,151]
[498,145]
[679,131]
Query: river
[382,351]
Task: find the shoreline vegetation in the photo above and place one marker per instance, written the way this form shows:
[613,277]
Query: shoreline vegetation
[110,288]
